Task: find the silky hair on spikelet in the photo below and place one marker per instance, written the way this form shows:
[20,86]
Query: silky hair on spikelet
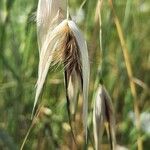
[103,114]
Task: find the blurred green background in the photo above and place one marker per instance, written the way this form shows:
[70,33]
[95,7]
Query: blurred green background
[18,74]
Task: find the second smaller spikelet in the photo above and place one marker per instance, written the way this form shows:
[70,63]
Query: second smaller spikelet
[103,114]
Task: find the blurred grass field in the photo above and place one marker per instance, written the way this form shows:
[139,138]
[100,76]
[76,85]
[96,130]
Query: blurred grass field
[18,74]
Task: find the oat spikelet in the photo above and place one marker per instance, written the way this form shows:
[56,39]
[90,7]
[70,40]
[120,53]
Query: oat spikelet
[85,69]
[98,118]
[65,45]
[47,12]
[54,42]
[103,114]
[73,89]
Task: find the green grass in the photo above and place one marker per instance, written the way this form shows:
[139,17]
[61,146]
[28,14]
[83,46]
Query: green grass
[19,64]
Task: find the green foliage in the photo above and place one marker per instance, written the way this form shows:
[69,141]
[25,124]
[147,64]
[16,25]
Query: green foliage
[19,64]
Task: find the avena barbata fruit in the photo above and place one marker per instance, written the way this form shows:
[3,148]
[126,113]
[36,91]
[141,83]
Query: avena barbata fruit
[103,114]
[48,12]
[61,42]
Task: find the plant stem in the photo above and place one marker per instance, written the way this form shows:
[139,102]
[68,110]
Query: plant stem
[130,75]
[31,126]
